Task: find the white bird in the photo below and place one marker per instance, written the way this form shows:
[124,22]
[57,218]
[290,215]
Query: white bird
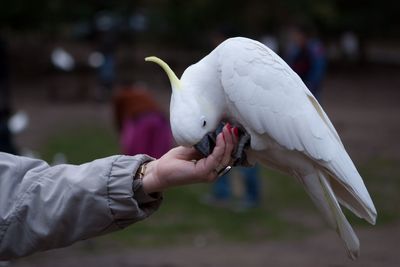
[244,82]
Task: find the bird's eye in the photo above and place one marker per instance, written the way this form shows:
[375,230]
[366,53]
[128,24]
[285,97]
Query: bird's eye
[203,121]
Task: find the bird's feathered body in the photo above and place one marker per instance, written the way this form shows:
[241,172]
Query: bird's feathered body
[244,82]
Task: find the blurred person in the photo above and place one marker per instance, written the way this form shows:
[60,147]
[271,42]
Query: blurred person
[44,207]
[6,140]
[138,117]
[306,56]
[222,190]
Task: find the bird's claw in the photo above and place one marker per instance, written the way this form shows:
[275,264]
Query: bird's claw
[239,155]
[207,144]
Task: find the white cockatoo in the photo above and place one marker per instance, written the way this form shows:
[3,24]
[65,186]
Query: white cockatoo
[245,83]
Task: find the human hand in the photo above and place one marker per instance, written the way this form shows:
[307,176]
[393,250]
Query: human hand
[182,165]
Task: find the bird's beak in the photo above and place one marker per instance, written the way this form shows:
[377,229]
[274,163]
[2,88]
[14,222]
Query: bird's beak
[206,145]
[175,82]
[208,142]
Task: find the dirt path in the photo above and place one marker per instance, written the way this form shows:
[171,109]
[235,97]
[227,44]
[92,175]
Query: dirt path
[379,247]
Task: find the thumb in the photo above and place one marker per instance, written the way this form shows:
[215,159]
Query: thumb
[186,153]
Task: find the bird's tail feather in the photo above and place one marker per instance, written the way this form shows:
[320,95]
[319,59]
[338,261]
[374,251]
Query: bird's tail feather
[351,202]
[349,188]
[319,188]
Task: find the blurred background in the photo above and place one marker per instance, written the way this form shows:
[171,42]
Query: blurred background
[74,87]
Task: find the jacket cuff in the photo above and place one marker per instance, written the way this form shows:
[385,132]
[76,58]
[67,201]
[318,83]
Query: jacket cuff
[127,205]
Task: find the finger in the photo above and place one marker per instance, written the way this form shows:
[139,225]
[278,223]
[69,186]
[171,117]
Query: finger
[210,163]
[235,134]
[227,131]
[229,146]
[183,153]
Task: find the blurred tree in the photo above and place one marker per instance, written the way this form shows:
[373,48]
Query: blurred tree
[183,20]
[370,18]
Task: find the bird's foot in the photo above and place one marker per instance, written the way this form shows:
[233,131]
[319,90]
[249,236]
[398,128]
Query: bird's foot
[207,144]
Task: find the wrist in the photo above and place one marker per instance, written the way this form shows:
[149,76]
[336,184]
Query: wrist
[150,179]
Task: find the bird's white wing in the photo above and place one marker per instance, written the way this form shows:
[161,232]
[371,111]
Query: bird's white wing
[272,100]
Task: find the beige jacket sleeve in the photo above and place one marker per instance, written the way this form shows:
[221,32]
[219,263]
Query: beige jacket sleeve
[43,207]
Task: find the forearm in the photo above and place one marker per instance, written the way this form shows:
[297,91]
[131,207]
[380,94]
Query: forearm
[52,207]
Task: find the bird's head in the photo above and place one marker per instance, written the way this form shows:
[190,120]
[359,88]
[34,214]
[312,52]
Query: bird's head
[192,113]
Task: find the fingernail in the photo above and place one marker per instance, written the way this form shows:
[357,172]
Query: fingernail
[236,131]
[228,126]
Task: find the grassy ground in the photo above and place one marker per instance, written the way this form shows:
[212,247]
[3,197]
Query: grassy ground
[81,144]
[382,177]
[286,210]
